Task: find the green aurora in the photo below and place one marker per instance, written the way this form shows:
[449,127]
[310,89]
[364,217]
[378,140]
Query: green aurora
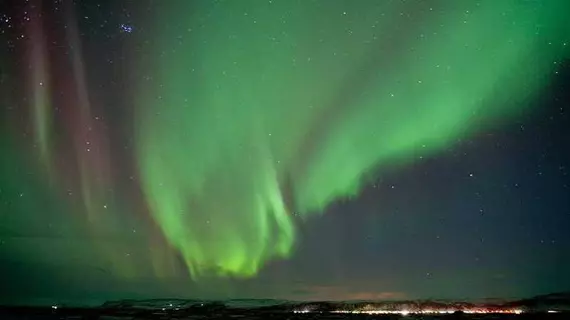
[269,111]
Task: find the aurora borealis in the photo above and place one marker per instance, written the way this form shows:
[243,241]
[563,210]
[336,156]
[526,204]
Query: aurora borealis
[215,145]
[207,148]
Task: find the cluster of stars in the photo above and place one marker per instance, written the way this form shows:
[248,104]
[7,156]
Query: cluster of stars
[126,28]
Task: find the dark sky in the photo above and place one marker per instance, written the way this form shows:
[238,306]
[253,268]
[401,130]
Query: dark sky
[283,149]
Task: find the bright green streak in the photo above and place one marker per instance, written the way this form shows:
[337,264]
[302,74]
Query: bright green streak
[252,100]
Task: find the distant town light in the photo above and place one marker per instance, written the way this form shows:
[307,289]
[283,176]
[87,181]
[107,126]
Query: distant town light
[431,311]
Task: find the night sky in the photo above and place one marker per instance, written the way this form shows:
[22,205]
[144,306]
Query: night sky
[291,149]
